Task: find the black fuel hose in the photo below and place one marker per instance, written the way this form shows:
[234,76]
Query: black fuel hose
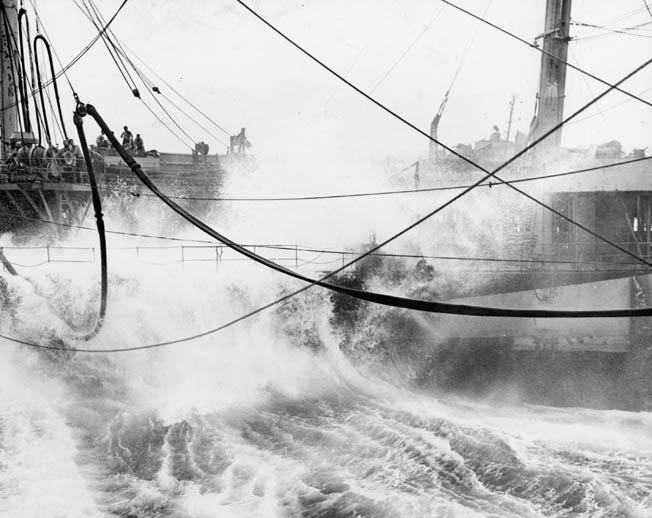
[97,206]
[377,298]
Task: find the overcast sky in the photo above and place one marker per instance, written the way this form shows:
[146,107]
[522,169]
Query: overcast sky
[243,75]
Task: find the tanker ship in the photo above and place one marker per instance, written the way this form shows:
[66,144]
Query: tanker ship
[593,250]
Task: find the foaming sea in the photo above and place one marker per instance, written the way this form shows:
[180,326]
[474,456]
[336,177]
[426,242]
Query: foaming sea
[256,421]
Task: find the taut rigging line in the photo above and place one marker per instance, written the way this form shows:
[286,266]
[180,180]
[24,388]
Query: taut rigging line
[552,56]
[489,174]
[74,60]
[114,48]
[407,191]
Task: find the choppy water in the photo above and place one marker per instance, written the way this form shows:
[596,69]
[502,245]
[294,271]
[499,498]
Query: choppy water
[252,422]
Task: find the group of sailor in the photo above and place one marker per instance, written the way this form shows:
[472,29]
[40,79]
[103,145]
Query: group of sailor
[131,144]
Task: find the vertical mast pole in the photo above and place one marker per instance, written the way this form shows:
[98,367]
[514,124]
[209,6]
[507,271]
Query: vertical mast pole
[8,117]
[552,82]
[512,102]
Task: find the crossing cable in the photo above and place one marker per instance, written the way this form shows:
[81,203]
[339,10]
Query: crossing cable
[590,90]
[158,91]
[371,297]
[151,86]
[120,55]
[549,54]
[109,47]
[393,301]
[403,191]
[626,31]
[117,59]
[624,101]
[489,174]
[409,48]
[109,37]
[200,112]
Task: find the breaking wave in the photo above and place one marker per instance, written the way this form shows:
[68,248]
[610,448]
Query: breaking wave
[270,417]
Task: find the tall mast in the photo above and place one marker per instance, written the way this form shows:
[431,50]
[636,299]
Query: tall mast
[552,83]
[9,115]
[512,102]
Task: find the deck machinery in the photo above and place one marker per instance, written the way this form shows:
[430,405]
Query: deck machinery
[41,184]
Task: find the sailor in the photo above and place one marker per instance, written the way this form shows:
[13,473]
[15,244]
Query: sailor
[12,159]
[101,141]
[140,146]
[201,151]
[76,151]
[127,138]
[495,135]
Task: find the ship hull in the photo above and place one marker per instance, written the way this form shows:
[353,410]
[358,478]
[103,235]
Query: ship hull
[599,363]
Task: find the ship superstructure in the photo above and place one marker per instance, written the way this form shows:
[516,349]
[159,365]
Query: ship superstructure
[43,177]
[586,245]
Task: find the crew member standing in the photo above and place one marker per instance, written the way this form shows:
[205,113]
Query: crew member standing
[140,146]
[127,138]
[101,141]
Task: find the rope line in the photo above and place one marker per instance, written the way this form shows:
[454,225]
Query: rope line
[404,191]
[177,92]
[321,251]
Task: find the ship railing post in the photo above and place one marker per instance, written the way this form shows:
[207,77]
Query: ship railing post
[296,256]
[47,251]
[183,256]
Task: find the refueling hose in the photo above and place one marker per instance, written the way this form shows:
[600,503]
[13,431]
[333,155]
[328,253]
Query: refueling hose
[378,298]
[80,111]
[38,38]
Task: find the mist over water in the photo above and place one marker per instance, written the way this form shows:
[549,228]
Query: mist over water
[270,417]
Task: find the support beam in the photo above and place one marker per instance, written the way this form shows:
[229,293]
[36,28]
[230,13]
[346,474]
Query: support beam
[36,208]
[16,204]
[45,205]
